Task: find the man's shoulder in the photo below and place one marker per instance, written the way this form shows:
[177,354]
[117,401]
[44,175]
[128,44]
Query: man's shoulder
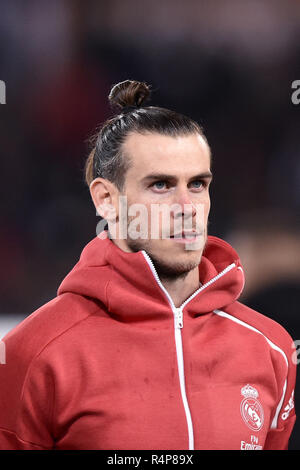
[259,323]
[46,323]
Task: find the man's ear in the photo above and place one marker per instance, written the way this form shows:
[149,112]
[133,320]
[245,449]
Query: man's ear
[102,192]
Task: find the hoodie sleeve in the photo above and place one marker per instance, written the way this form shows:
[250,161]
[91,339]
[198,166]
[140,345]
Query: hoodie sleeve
[278,439]
[284,415]
[26,397]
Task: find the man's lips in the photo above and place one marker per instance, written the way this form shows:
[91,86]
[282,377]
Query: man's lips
[186,237]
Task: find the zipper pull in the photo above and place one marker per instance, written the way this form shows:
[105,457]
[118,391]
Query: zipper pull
[179,318]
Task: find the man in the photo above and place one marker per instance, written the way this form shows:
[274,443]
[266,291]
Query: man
[146,345]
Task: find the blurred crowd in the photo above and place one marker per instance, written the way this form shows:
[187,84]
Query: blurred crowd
[229,65]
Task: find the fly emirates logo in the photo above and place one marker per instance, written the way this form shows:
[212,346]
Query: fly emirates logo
[253,445]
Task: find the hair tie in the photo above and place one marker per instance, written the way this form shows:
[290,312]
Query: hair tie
[128,109]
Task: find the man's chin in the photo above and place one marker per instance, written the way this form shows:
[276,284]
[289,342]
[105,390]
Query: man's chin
[173,269]
[170,244]
[196,244]
[169,263]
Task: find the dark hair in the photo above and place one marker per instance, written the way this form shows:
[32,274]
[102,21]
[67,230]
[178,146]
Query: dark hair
[106,159]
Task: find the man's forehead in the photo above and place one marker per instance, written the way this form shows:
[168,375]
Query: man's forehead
[159,151]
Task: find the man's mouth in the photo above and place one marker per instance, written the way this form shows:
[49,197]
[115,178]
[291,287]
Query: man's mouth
[186,237]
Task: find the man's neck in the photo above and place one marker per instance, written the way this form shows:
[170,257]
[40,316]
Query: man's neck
[182,288]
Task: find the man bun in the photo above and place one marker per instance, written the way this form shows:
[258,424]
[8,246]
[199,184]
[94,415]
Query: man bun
[107,159]
[129,93]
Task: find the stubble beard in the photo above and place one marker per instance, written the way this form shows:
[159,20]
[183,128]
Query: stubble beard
[165,270]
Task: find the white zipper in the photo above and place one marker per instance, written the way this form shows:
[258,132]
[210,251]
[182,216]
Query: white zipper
[178,325]
[178,318]
[211,281]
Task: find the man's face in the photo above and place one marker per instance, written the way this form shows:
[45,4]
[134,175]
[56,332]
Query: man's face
[174,173]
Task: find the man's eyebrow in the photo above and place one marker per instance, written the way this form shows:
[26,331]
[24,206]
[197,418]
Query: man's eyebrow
[164,176]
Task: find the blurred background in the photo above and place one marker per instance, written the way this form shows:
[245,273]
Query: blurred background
[227,64]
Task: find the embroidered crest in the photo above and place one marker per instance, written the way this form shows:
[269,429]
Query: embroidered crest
[251,410]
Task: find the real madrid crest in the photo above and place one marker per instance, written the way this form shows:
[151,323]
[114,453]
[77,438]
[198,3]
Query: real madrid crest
[251,410]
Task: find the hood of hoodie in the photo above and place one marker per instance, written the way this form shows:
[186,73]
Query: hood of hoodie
[128,287]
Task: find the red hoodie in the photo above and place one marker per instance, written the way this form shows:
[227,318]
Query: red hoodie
[111,363]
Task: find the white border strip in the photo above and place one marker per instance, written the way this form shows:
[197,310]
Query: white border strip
[273,346]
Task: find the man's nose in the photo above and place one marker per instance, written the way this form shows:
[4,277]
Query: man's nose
[182,204]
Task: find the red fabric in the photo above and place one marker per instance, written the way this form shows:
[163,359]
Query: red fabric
[97,367]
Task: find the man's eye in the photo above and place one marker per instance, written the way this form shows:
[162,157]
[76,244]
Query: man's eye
[158,184]
[197,184]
